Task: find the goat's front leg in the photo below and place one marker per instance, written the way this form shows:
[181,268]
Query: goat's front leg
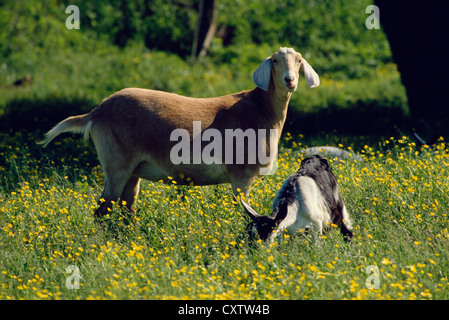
[241,186]
[130,193]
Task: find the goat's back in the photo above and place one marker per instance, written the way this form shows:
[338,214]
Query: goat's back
[158,108]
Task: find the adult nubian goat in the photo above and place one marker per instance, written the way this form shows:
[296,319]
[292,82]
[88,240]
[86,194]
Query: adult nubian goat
[133,132]
[308,199]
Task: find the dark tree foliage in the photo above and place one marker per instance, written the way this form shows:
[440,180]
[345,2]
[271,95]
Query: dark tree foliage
[334,30]
[161,24]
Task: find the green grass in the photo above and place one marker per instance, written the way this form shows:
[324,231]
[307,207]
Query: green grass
[190,242]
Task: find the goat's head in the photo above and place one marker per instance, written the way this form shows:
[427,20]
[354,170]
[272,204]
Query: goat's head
[261,225]
[284,67]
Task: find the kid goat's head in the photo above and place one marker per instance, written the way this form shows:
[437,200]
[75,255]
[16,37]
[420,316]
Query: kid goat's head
[263,226]
[283,68]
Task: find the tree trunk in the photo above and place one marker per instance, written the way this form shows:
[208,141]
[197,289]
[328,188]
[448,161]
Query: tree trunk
[418,35]
[206,28]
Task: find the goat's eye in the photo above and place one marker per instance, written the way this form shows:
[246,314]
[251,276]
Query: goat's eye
[275,61]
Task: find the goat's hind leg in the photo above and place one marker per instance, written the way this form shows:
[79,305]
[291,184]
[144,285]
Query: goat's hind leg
[346,226]
[340,217]
[115,161]
[114,185]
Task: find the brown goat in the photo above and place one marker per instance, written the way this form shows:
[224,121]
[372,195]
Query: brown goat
[133,131]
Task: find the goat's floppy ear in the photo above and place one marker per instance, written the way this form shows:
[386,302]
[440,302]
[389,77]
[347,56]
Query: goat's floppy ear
[262,75]
[250,211]
[312,78]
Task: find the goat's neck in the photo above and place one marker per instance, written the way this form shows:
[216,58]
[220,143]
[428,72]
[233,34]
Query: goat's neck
[277,102]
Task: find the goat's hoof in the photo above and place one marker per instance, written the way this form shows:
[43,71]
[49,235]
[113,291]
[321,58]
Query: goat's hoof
[100,216]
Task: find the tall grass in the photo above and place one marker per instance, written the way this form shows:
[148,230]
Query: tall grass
[190,242]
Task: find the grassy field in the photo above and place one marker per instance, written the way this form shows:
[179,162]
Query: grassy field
[190,242]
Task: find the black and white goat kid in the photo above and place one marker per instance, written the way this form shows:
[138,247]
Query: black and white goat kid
[308,200]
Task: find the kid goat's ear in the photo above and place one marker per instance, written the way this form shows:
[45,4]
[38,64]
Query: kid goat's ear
[312,78]
[250,211]
[325,163]
[280,212]
[262,75]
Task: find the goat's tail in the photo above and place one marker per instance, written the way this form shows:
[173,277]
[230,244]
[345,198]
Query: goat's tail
[76,124]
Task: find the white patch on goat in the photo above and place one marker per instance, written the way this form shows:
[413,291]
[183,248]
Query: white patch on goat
[313,205]
[87,131]
[308,211]
[346,218]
